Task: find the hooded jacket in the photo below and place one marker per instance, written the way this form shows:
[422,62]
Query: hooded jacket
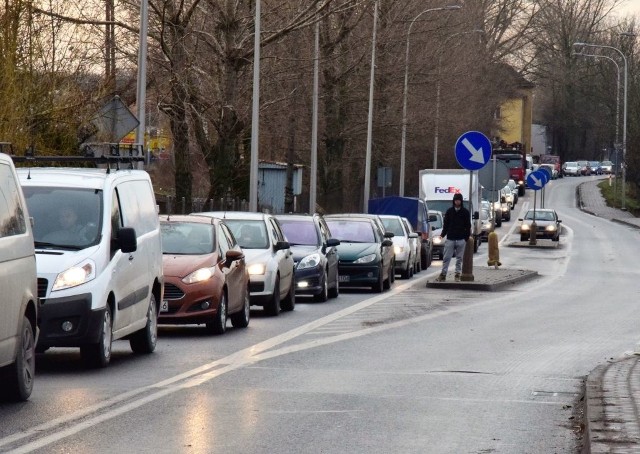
[457,223]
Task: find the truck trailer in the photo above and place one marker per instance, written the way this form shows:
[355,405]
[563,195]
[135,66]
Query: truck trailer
[437,187]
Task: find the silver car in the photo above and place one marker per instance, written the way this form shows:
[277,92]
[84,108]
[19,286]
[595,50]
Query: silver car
[268,256]
[405,251]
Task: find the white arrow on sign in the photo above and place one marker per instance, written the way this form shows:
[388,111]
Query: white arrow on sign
[476,155]
[537,183]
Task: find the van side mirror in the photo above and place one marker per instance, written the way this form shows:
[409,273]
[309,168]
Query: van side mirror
[413,235]
[503,199]
[476,215]
[127,239]
[388,234]
[387,242]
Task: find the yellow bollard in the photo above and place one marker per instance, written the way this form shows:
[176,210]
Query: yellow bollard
[494,252]
[467,261]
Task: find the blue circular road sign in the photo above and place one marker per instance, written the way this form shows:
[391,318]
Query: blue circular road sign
[536,180]
[473,150]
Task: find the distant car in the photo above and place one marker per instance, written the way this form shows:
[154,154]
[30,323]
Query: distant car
[436,221]
[595,167]
[514,189]
[507,193]
[502,206]
[205,276]
[552,170]
[315,255]
[547,224]
[487,219]
[607,167]
[571,168]
[365,250]
[416,244]
[268,255]
[406,257]
[584,168]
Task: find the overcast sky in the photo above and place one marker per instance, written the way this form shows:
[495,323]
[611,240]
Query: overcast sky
[630,7]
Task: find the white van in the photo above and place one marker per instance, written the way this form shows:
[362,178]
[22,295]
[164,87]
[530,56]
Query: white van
[99,258]
[18,290]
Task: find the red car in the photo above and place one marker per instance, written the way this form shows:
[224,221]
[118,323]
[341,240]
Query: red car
[205,277]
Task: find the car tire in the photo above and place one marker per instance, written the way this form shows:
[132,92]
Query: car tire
[99,354]
[241,319]
[324,293]
[524,237]
[392,273]
[219,323]
[499,222]
[378,287]
[289,301]
[145,340]
[17,378]
[273,308]
[418,265]
[508,218]
[334,292]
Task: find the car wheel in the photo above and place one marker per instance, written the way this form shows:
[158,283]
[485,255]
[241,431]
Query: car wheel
[334,292]
[324,293]
[241,319]
[392,272]
[418,265]
[273,307]
[386,283]
[144,341]
[524,237]
[499,222]
[289,301]
[219,324]
[508,218]
[378,287]
[99,354]
[406,274]
[18,377]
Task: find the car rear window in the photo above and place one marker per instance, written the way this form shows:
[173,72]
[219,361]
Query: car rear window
[352,231]
[300,232]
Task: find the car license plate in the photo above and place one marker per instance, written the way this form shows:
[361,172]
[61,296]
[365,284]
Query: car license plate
[164,307]
[343,278]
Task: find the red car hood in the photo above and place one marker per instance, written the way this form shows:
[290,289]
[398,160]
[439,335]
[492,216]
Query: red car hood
[182,265]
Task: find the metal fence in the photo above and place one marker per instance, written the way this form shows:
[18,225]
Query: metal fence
[169,205]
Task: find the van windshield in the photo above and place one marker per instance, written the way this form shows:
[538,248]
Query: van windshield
[68,218]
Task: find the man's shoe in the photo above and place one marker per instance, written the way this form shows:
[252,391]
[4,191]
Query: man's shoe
[441,278]
[457,277]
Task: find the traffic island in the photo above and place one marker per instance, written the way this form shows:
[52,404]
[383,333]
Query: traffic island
[540,244]
[485,278]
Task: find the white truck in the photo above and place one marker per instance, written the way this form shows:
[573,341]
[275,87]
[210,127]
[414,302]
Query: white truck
[437,187]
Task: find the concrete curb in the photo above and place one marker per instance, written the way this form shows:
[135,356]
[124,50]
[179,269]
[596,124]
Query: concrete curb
[487,279]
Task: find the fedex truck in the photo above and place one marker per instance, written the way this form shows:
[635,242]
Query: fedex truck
[437,187]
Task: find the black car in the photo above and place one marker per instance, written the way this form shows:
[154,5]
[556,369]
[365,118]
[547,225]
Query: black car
[314,253]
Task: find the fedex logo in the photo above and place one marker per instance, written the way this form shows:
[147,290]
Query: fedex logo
[449,190]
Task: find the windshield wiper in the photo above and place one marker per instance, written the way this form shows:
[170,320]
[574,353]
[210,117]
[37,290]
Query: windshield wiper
[42,244]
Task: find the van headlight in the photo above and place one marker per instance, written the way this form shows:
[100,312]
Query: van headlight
[76,275]
[310,261]
[257,268]
[366,259]
[198,276]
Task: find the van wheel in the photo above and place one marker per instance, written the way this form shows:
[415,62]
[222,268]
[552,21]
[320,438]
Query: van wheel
[19,375]
[219,324]
[289,301]
[272,308]
[241,319]
[144,341]
[99,354]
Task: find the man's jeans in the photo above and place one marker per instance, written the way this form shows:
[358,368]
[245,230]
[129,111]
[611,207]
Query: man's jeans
[451,246]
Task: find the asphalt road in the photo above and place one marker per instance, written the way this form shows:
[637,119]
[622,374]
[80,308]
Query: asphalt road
[413,370]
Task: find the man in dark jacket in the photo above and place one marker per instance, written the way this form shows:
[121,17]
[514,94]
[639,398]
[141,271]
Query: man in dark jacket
[457,229]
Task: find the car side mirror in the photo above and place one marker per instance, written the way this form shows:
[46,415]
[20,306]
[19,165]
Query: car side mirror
[331,242]
[231,256]
[127,240]
[387,243]
[433,227]
[413,235]
[559,220]
[388,234]
[476,215]
[280,245]
[503,199]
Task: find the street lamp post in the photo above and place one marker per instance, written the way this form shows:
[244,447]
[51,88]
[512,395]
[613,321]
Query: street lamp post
[436,125]
[624,114]
[406,90]
[367,162]
[255,115]
[617,139]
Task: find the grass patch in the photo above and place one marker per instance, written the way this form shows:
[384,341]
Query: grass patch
[613,195]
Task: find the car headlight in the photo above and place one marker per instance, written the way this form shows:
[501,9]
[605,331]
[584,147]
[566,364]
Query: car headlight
[366,259]
[257,268]
[198,276]
[524,227]
[437,239]
[310,261]
[398,249]
[550,228]
[76,275]
[497,205]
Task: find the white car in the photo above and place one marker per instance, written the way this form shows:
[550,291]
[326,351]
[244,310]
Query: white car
[607,167]
[268,256]
[436,222]
[402,244]
[571,168]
